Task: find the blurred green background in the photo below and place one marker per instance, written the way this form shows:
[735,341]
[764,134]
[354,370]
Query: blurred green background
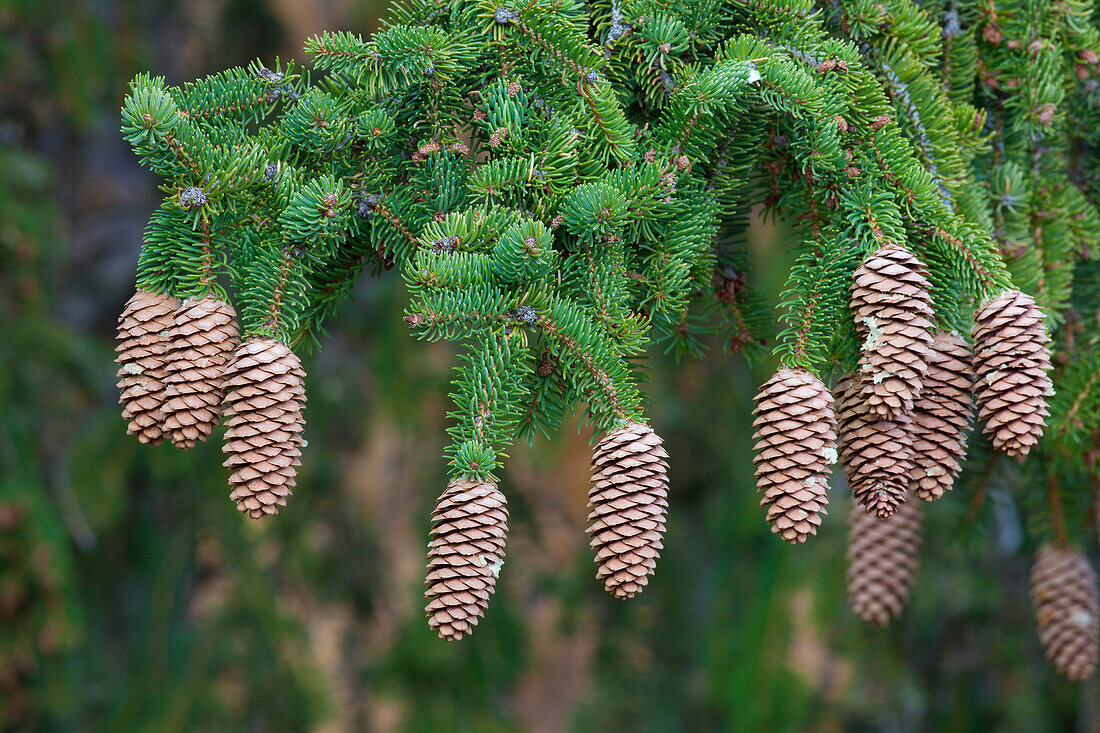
[133,597]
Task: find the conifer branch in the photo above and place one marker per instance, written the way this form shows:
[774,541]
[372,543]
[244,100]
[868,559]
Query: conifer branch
[555,201]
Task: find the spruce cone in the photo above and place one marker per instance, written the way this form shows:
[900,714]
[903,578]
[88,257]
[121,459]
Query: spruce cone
[883,556]
[877,454]
[1012,364]
[143,345]
[795,444]
[203,341]
[1064,596]
[941,417]
[265,394]
[627,504]
[893,311]
[469,526]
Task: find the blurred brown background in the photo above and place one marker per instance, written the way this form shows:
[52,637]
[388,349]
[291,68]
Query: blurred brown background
[133,597]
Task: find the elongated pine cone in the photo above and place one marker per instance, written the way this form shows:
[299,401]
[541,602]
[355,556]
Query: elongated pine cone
[265,395]
[203,341]
[877,454]
[893,312]
[883,557]
[795,445]
[941,417]
[627,503]
[1012,363]
[1064,596]
[142,348]
[469,528]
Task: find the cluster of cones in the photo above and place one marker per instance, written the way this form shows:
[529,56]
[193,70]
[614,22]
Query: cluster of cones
[901,419]
[181,364]
[899,424]
[627,500]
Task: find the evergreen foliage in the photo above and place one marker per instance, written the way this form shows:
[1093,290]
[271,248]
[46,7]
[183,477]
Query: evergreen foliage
[563,185]
[142,646]
[552,182]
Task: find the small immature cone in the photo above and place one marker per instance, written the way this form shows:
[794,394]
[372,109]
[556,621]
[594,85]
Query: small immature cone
[877,454]
[1064,596]
[203,341]
[265,394]
[1012,363]
[883,557]
[627,503]
[469,528]
[795,443]
[941,417]
[142,348]
[893,311]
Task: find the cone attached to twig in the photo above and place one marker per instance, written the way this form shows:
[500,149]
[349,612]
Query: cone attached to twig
[265,396]
[1064,596]
[795,444]
[877,454]
[883,557]
[203,341]
[893,312]
[941,417]
[142,348]
[628,502]
[469,528]
[1012,363]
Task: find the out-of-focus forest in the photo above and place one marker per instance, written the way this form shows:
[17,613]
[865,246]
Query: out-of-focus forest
[134,597]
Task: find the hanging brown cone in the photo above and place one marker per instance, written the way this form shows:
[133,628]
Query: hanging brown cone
[1012,364]
[203,341]
[795,445]
[142,348]
[883,557]
[893,312]
[1064,596]
[265,395]
[627,503]
[877,454]
[469,528]
[941,417]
